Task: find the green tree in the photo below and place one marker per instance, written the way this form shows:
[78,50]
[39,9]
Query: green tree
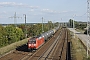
[71,23]
[36,29]
[50,25]
[22,26]
[76,24]
[11,34]
[19,34]
[3,37]
[14,34]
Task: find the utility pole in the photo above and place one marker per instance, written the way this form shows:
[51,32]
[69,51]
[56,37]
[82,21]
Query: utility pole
[88,23]
[42,25]
[61,23]
[25,25]
[53,24]
[74,25]
[15,21]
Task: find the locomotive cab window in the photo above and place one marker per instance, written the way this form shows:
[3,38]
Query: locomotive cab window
[32,41]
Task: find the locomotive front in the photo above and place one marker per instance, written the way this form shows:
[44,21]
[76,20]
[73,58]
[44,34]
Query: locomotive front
[31,44]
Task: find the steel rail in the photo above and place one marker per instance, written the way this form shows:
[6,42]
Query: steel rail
[48,48]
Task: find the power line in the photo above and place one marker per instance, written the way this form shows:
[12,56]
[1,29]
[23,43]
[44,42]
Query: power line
[15,17]
[83,14]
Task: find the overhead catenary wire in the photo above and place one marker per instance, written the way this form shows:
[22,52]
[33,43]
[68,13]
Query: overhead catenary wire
[15,17]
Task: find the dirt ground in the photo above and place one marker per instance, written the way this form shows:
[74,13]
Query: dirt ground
[7,49]
[78,52]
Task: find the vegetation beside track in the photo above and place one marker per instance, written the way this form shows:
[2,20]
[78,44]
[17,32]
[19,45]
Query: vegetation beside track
[81,31]
[78,51]
[12,46]
[11,33]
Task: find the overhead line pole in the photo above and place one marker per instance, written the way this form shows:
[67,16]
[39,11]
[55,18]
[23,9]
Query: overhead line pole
[15,21]
[42,25]
[74,25]
[88,20]
[25,25]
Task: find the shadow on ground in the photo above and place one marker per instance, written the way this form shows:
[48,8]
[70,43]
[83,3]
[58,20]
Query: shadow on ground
[22,48]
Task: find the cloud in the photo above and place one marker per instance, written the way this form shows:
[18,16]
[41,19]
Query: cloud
[14,4]
[3,12]
[54,11]
[49,11]
[31,10]
[64,11]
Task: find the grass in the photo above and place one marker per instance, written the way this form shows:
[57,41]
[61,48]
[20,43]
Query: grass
[78,51]
[12,46]
[79,30]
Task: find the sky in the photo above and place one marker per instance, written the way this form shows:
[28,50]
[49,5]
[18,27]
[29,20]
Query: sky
[50,10]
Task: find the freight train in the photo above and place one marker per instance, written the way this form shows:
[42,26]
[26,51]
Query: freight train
[35,42]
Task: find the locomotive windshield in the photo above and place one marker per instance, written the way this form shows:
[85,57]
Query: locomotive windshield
[32,41]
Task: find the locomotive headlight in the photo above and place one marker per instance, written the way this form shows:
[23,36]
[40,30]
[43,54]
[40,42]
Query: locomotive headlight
[29,44]
[34,44]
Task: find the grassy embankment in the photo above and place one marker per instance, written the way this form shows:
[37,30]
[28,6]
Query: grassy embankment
[78,51]
[12,46]
[79,30]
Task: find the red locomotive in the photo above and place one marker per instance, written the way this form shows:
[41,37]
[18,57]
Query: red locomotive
[36,42]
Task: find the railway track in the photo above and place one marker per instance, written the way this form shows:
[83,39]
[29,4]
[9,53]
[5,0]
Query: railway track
[48,50]
[17,54]
[60,50]
[64,47]
[56,48]
[53,49]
